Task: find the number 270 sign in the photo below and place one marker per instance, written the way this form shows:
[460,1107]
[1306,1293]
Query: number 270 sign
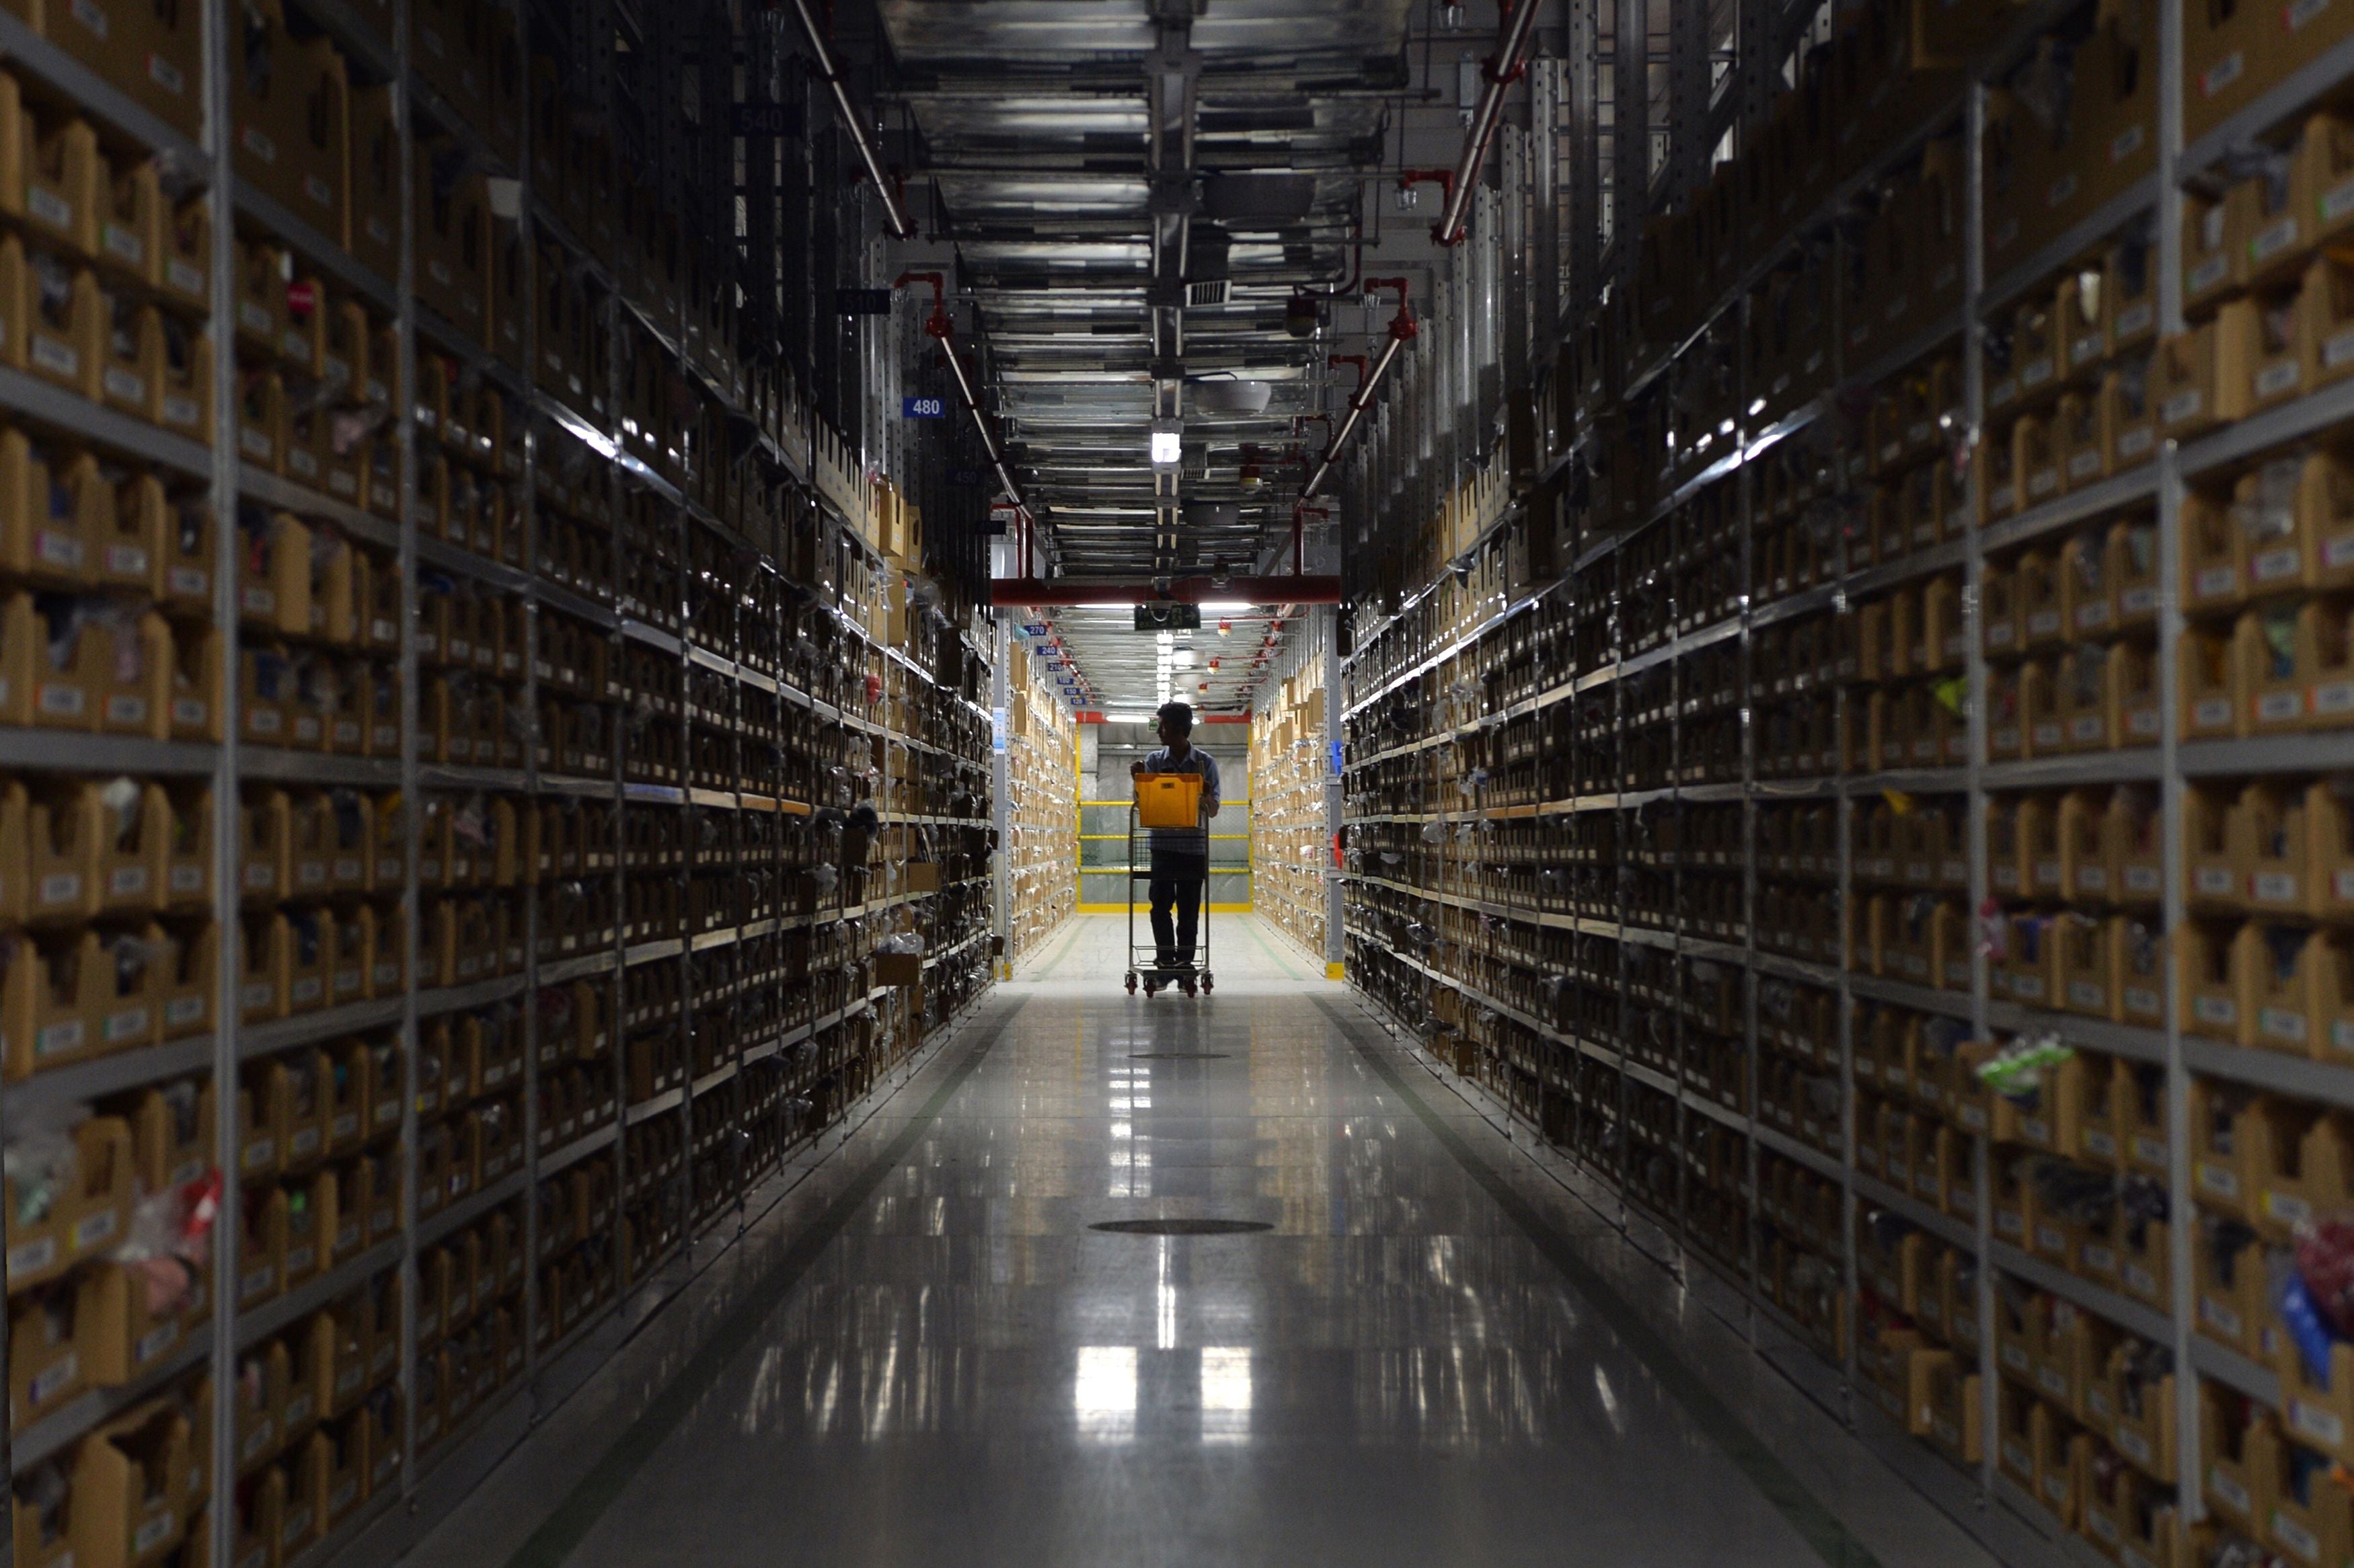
[923,408]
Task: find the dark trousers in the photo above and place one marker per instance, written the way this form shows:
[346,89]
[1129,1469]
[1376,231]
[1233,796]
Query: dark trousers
[1177,887]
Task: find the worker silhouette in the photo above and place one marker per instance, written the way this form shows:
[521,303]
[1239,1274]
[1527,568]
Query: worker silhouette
[1180,856]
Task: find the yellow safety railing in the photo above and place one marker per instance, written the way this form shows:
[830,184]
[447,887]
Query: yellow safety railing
[1082,837]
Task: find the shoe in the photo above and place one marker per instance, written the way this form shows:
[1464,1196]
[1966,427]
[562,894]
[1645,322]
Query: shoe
[1183,965]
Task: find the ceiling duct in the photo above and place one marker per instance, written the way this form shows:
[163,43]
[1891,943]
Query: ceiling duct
[1258,200]
[1229,394]
[1206,249]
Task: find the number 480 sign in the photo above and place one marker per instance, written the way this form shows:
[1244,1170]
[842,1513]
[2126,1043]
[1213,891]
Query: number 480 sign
[923,408]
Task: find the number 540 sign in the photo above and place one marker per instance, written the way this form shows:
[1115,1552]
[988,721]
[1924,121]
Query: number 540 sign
[923,408]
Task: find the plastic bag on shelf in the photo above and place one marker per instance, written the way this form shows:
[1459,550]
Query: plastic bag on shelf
[2017,1072]
[169,1245]
[41,1158]
[2324,1273]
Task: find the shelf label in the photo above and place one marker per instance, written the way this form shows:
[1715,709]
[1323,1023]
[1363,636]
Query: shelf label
[762,120]
[923,408]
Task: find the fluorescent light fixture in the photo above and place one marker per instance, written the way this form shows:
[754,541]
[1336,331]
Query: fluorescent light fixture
[1128,718]
[1222,607]
[1168,444]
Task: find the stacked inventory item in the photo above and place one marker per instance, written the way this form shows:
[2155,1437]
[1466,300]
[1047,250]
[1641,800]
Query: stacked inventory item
[1041,811]
[1291,773]
[519,994]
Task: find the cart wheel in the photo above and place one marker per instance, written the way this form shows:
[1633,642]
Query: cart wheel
[1188,984]
[1207,985]
[1132,982]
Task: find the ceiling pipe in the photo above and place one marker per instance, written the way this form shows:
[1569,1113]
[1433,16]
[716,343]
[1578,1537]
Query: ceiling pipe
[1290,590]
[1356,274]
[1443,178]
[895,212]
[1502,68]
[1402,331]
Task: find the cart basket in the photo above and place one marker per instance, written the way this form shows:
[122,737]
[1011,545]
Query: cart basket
[1169,799]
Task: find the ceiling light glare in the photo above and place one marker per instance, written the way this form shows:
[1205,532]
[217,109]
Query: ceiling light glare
[1168,444]
[1222,607]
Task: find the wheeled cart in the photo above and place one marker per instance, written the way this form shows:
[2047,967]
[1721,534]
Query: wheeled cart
[1144,963]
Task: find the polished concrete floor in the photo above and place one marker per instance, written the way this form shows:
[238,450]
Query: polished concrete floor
[927,1356]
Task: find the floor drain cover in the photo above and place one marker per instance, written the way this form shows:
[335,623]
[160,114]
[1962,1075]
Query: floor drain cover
[1181,1227]
[1177,1056]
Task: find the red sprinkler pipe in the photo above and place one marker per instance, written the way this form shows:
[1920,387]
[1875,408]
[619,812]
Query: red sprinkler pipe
[1350,289]
[942,328]
[1402,331]
[1443,178]
[937,324]
[1503,68]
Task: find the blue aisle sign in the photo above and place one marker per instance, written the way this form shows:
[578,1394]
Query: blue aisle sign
[923,408]
[997,730]
[1336,759]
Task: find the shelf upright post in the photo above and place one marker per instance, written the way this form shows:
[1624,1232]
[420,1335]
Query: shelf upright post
[1751,978]
[1974,577]
[1540,202]
[616,770]
[1689,143]
[1328,637]
[681,166]
[1630,135]
[1757,52]
[1615,747]
[681,526]
[2181,1214]
[1000,788]
[527,496]
[405,426]
[1676,676]
[218,62]
[1580,264]
[1843,796]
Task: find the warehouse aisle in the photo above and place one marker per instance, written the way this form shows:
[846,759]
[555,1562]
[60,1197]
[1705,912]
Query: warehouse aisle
[1386,1368]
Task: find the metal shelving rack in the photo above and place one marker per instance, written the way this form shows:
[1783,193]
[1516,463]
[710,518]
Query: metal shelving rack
[432,1472]
[1037,790]
[1300,792]
[2022,1530]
